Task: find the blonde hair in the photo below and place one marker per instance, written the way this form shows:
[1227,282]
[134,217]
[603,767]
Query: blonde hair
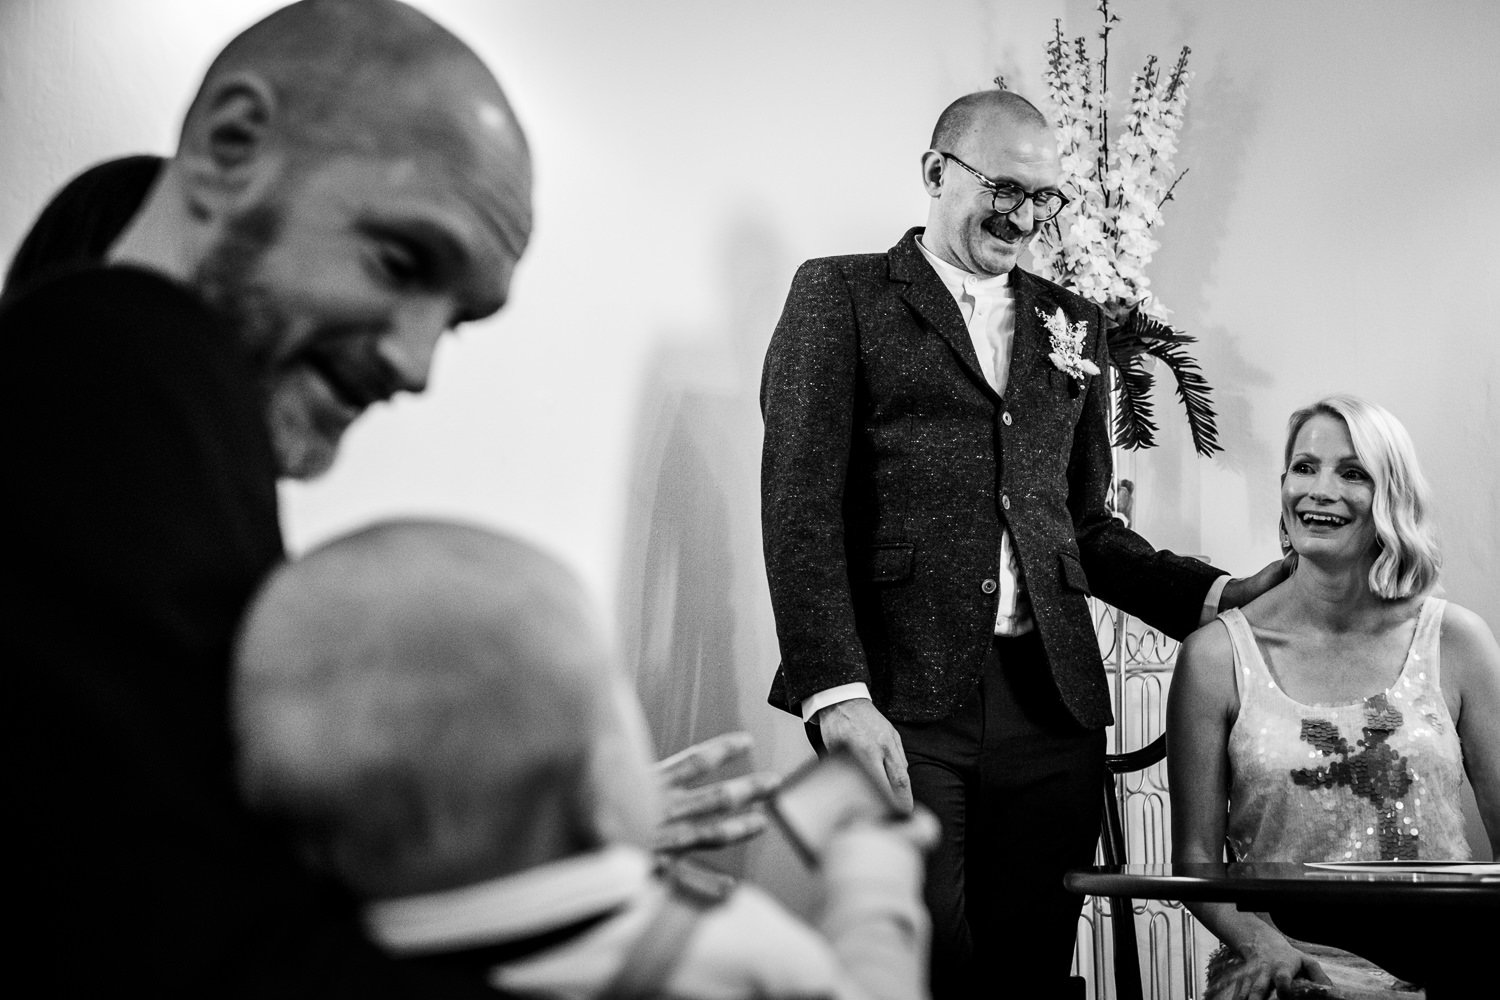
[1409,558]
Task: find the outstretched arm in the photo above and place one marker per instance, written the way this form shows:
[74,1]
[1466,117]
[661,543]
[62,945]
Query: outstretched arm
[1165,590]
[1201,708]
[715,814]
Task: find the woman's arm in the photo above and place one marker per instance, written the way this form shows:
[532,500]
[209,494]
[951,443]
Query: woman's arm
[1471,669]
[1201,708]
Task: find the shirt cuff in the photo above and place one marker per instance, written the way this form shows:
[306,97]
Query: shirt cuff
[812,704]
[1211,601]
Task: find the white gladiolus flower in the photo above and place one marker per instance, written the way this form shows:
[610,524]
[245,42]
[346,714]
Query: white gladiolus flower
[1101,244]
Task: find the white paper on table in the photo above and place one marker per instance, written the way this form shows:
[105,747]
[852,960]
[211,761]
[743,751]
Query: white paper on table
[1489,869]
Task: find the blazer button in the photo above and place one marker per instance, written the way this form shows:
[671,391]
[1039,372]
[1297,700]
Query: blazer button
[1005,418]
[989,586]
[1005,501]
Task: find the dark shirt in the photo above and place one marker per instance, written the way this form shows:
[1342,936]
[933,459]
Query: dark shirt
[83,220]
[146,516]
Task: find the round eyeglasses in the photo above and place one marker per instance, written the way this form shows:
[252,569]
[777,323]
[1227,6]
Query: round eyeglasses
[1007,197]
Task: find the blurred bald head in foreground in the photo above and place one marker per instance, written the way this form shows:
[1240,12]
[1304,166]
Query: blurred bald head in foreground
[428,713]
[350,183]
[422,705]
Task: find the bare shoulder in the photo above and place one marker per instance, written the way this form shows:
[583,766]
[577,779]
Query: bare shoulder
[1207,644]
[1204,670]
[1462,625]
[1470,650]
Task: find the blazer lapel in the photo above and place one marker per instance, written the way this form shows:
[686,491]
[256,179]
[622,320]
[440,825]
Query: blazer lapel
[930,300]
[1031,342]
[1032,373]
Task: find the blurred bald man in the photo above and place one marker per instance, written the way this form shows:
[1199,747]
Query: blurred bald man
[430,713]
[350,183]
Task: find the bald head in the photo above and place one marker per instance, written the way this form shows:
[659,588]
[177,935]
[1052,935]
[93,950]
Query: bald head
[370,77]
[421,705]
[350,185]
[985,108]
[983,142]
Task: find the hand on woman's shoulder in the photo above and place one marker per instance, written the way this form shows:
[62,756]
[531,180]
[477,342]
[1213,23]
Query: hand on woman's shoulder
[1272,610]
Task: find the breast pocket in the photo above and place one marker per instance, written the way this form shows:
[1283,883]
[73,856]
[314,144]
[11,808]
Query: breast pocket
[888,563]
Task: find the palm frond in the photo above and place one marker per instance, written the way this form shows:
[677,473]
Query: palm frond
[1136,335]
[1135,427]
[1194,392]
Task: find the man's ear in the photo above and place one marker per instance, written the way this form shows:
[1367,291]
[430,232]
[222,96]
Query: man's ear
[932,172]
[235,152]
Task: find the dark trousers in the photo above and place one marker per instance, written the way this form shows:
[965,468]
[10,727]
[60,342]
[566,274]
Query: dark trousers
[1015,782]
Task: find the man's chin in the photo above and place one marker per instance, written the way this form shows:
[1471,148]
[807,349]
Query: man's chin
[998,263]
[300,458]
[997,256]
[306,425]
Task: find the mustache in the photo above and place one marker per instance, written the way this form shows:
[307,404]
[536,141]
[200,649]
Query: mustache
[1002,226]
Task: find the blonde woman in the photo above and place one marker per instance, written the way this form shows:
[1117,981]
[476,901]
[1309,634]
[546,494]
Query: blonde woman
[1333,718]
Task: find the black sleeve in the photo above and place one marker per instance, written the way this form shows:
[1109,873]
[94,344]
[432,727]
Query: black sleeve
[83,220]
[1161,588]
[144,517]
[808,403]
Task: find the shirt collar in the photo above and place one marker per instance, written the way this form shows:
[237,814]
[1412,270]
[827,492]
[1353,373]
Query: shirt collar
[528,902]
[960,282]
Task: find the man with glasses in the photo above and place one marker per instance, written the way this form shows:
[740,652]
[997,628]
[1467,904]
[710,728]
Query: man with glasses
[933,508]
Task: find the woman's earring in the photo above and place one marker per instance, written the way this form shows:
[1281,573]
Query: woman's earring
[1286,540]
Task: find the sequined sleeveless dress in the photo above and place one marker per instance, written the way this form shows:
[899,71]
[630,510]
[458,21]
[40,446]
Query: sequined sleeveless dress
[1377,779]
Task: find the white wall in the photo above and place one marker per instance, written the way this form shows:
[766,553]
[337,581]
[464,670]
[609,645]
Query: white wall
[1336,233]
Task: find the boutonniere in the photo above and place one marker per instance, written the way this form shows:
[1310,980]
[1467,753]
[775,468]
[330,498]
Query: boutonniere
[1067,345]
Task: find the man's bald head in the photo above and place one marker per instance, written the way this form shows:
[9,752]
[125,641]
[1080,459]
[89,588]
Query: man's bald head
[964,115]
[425,704]
[350,185]
[369,77]
[990,140]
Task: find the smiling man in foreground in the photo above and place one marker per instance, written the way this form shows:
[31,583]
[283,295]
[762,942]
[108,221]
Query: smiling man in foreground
[350,183]
[347,188]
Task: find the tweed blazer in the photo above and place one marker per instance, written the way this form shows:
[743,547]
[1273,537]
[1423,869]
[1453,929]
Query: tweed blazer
[890,467]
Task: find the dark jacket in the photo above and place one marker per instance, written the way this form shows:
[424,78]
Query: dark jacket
[145,486]
[890,468]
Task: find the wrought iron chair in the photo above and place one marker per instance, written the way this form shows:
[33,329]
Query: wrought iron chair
[1113,852]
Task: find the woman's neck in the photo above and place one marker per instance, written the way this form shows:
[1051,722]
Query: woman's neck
[1335,597]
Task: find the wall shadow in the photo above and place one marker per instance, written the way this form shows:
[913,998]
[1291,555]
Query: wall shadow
[693,611]
[1216,142]
[681,612]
